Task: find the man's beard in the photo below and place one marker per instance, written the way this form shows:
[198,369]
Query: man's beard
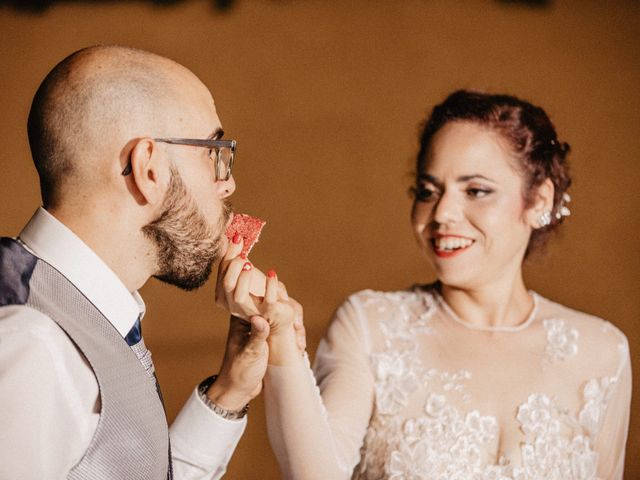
[186,245]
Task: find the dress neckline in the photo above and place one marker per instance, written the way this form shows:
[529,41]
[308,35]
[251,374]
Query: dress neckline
[499,328]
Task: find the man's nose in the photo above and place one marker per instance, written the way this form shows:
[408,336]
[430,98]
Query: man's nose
[226,188]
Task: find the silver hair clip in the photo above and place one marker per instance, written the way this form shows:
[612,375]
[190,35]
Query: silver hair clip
[561,146]
[563,210]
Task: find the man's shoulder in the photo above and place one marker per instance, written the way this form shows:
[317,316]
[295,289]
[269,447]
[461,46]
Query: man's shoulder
[16,267]
[48,393]
[35,345]
[32,329]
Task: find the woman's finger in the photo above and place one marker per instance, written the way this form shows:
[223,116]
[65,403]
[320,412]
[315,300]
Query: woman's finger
[241,291]
[282,290]
[301,334]
[234,249]
[297,308]
[271,289]
[231,278]
[241,302]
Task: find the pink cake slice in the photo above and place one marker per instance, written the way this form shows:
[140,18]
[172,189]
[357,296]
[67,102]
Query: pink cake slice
[248,227]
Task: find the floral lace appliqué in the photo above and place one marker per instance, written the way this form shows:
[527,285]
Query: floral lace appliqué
[449,443]
[396,379]
[551,450]
[562,341]
[596,394]
[397,371]
[443,444]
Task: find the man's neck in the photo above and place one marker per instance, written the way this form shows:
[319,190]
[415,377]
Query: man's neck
[127,254]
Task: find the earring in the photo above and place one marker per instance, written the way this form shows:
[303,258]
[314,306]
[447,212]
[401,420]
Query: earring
[544,220]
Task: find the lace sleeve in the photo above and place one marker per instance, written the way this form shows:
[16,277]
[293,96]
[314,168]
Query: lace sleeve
[611,440]
[343,372]
[316,432]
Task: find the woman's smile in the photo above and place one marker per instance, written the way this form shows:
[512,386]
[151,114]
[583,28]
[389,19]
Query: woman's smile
[447,246]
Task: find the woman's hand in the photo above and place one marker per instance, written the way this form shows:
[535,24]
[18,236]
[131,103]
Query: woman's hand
[240,286]
[287,340]
[282,312]
[245,292]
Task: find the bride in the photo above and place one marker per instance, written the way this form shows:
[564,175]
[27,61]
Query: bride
[474,376]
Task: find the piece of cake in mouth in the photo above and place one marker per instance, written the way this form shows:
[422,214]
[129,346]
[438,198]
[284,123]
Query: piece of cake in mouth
[249,229]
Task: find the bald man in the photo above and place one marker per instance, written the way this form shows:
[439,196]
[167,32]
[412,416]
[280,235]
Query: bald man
[135,179]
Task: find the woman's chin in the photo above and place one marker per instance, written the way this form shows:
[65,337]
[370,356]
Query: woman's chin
[455,278]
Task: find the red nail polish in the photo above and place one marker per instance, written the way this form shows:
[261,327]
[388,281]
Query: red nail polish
[236,238]
[247,266]
[271,274]
[243,255]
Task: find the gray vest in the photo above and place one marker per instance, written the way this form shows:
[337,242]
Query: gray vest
[131,440]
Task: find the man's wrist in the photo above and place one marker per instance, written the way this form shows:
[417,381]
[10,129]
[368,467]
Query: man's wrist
[223,403]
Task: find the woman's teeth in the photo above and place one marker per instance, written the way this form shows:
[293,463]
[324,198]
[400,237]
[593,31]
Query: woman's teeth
[451,243]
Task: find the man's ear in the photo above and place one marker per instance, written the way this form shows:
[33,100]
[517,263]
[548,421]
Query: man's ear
[542,202]
[147,172]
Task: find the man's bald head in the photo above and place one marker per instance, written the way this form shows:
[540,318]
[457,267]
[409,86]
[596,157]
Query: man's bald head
[90,105]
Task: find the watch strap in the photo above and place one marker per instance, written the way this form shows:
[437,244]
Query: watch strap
[217,409]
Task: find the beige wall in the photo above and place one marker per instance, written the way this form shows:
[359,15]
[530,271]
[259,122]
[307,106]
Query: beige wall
[324,99]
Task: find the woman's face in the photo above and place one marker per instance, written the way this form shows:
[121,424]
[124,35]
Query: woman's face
[469,216]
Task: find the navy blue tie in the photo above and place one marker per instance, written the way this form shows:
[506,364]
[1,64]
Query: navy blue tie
[135,334]
[134,340]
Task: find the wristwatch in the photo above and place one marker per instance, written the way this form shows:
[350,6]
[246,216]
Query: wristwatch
[217,409]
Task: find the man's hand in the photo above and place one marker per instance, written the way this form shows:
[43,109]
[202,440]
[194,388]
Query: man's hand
[244,364]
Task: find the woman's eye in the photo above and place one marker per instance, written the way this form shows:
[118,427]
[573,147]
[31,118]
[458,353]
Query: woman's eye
[478,192]
[423,194]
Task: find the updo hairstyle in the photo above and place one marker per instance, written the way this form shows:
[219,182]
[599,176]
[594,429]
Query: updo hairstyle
[531,136]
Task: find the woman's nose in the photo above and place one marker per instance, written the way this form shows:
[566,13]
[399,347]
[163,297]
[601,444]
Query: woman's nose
[447,210]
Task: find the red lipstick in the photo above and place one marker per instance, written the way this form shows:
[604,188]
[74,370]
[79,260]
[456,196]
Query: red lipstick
[449,249]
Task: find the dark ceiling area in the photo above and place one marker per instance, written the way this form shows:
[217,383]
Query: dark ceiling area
[220,5]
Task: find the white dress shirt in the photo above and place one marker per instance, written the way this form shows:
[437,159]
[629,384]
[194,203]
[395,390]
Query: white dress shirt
[49,397]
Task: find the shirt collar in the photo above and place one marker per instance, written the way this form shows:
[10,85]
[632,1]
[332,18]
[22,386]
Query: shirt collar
[50,240]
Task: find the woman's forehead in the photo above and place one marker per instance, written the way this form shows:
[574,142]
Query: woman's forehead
[465,149]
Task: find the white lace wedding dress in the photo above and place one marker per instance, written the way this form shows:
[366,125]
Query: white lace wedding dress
[409,391]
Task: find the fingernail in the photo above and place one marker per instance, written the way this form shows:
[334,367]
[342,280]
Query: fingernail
[243,255]
[236,238]
[271,274]
[247,266]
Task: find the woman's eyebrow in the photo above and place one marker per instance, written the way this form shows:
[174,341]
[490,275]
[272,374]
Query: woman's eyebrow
[425,177]
[466,178]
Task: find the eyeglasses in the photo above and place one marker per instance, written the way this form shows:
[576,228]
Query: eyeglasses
[222,152]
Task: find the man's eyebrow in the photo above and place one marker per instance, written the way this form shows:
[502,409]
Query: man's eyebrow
[216,135]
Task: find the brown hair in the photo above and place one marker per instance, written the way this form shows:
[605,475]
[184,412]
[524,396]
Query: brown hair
[529,132]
